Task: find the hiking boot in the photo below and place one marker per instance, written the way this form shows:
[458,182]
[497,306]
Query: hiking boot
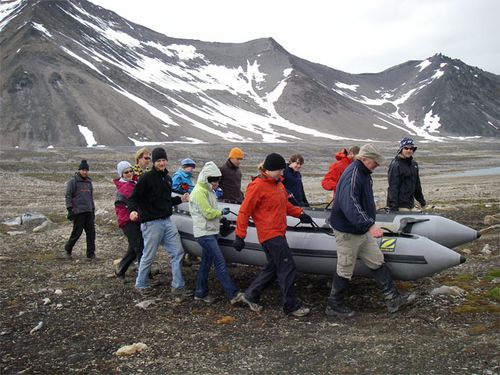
[300,312]
[341,311]
[207,299]
[394,304]
[181,292]
[144,292]
[68,256]
[92,259]
[253,306]
[237,298]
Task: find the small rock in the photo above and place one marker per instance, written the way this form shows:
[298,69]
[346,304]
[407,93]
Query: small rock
[226,319]
[467,251]
[46,301]
[145,304]
[16,232]
[496,280]
[448,290]
[37,327]
[486,249]
[131,349]
[58,292]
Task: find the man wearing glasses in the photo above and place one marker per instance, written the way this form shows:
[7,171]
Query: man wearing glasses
[404,180]
[142,160]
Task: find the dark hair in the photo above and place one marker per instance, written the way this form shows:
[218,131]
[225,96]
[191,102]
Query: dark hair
[297,158]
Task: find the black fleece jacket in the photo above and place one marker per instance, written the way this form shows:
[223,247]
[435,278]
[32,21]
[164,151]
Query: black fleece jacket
[152,196]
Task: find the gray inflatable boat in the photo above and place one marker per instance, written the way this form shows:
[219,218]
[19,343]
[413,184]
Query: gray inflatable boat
[408,256]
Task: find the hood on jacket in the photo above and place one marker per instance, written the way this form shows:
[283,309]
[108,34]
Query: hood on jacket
[208,170]
[342,154]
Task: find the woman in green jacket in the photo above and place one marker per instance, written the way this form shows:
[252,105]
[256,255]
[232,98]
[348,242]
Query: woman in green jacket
[206,217]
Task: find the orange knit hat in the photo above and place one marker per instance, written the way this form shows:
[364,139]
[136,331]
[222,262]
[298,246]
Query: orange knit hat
[236,153]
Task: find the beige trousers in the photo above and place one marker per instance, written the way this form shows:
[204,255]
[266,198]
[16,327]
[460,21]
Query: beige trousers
[350,247]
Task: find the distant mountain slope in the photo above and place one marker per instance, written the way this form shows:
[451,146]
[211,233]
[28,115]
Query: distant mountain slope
[75,74]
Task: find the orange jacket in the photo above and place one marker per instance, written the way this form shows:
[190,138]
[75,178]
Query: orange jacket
[332,177]
[266,201]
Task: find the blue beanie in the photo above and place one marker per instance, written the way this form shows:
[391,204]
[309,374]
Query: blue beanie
[188,163]
[406,142]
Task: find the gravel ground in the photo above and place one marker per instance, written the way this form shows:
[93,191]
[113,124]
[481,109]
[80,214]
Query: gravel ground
[84,314]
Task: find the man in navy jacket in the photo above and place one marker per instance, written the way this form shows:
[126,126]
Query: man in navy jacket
[353,221]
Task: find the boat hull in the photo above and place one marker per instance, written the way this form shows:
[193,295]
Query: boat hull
[409,257]
[437,228]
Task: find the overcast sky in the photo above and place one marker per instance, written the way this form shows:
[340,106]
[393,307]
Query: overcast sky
[356,36]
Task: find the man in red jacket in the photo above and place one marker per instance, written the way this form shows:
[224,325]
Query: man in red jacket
[344,158]
[266,201]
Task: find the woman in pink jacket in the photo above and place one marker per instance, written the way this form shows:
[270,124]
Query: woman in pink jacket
[125,185]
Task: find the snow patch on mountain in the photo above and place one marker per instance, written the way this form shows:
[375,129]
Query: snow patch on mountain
[346,86]
[424,64]
[88,135]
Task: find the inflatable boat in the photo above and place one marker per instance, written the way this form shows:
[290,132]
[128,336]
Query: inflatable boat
[437,228]
[408,256]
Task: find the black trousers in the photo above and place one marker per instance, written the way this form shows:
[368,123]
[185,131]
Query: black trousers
[281,267]
[135,246]
[84,221]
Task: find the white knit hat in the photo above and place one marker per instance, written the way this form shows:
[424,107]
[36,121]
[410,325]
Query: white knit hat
[121,166]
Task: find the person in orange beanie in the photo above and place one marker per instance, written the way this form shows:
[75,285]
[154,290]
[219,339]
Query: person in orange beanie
[230,181]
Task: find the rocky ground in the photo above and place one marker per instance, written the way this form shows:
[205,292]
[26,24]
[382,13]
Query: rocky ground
[60,316]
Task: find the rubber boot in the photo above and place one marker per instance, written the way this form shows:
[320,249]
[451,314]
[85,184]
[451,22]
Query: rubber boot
[393,300]
[335,304]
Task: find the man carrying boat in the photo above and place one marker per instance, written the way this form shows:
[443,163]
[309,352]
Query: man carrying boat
[353,221]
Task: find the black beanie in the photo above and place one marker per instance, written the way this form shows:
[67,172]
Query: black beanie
[84,165]
[159,153]
[274,162]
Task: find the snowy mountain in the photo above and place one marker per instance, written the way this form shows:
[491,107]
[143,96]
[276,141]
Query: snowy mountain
[75,74]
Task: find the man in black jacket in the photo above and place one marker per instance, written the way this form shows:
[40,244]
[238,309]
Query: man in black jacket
[80,206]
[151,203]
[353,221]
[404,181]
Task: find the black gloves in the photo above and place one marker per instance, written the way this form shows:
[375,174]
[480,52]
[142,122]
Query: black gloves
[238,244]
[305,218]
[70,214]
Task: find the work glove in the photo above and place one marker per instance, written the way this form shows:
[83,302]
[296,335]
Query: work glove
[70,216]
[305,218]
[238,244]
[225,211]
[219,193]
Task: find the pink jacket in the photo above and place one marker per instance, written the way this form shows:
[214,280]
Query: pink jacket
[123,192]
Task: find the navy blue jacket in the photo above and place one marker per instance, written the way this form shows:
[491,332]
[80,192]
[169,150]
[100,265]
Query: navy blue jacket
[293,185]
[354,207]
[152,196]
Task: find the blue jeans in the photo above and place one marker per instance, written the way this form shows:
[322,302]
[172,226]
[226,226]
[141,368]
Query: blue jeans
[156,233]
[212,254]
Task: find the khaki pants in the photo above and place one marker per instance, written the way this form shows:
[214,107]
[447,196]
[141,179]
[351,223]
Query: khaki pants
[404,209]
[350,247]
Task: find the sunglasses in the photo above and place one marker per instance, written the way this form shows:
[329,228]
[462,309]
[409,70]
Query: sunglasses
[128,171]
[146,158]
[408,148]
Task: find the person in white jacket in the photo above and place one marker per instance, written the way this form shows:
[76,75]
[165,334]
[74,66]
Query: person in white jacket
[206,220]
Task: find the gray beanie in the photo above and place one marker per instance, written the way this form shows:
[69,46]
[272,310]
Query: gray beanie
[121,166]
[369,151]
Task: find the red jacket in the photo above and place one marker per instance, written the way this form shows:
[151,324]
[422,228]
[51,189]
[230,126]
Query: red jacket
[332,177]
[266,201]
[123,192]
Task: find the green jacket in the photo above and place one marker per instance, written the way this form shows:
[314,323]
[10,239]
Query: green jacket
[203,203]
